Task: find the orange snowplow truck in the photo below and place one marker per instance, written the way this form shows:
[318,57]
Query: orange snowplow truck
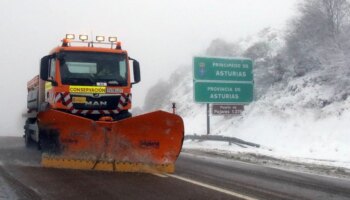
[78,112]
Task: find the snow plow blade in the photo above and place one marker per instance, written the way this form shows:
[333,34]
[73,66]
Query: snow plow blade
[146,143]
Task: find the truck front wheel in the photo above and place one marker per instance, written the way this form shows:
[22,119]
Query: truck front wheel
[49,141]
[28,141]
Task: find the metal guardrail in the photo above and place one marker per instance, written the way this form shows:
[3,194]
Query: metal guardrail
[230,140]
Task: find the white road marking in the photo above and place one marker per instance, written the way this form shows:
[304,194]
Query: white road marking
[205,185]
[228,192]
[160,175]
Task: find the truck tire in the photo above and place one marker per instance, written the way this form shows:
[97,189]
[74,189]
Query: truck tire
[49,142]
[28,141]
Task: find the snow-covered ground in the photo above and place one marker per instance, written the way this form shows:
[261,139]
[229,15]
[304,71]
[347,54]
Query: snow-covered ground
[291,121]
[303,118]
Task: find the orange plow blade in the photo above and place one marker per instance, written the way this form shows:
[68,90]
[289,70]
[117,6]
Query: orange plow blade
[146,143]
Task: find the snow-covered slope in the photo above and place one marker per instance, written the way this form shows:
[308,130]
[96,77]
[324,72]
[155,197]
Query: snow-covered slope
[299,119]
[293,117]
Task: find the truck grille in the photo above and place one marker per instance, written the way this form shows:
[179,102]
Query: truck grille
[95,102]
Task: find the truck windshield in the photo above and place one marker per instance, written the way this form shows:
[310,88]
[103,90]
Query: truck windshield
[93,68]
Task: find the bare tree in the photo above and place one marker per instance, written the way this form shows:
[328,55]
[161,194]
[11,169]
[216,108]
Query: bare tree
[317,34]
[157,95]
[337,13]
[219,47]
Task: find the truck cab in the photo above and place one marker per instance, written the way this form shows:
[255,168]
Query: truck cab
[88,80]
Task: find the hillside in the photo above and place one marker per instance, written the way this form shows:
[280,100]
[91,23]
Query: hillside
[302,87]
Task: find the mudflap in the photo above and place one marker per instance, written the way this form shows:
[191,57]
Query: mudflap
[146,143]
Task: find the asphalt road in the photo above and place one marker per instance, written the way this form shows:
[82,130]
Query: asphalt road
[196,177]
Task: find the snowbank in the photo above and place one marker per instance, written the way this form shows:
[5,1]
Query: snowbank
[290,123]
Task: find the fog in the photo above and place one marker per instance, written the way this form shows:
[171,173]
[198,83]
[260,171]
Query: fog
[161,34]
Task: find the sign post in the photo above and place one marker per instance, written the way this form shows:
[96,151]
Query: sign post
[222,80]
[208,119]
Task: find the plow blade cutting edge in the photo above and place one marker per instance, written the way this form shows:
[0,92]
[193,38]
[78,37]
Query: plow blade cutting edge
[146,143]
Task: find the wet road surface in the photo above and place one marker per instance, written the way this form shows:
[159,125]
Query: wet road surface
[196,177]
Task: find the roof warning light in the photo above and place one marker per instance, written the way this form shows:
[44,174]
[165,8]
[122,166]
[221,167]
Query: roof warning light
[83,37]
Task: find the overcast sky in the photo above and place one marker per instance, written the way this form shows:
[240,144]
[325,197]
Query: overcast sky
[161,34]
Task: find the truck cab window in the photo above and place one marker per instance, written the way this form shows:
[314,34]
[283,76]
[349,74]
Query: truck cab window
[122,69]
[93,68]
[52,73]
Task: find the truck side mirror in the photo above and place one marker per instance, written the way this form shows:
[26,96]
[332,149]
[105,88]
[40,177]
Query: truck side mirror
[44,68]
[61,56]
[137,74]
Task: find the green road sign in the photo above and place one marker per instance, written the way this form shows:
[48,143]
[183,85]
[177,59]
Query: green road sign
[223,92]
[222,69]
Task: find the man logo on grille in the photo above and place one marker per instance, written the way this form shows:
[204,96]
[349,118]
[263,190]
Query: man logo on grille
[96,104]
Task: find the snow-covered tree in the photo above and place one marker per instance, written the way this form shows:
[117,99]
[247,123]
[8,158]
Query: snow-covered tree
[157,95]
[315,36]
[219,47]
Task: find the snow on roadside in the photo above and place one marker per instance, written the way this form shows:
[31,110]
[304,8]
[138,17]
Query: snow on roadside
[298,121]
[300,137]
[300,118]
[260,155]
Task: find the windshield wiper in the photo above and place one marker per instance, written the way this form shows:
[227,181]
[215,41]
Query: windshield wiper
[83,81]
[114,82]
